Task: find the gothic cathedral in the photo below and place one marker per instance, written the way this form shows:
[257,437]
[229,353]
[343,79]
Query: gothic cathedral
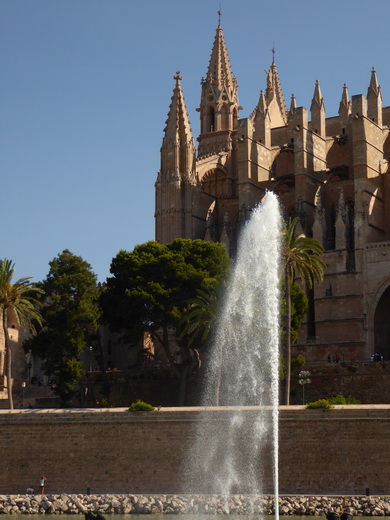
[333,173]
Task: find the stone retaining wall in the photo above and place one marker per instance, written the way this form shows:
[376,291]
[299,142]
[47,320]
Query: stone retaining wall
[344,451]
[192,504]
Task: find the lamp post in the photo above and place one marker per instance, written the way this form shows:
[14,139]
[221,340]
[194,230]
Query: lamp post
[23,387]
[304,379]
[90,357]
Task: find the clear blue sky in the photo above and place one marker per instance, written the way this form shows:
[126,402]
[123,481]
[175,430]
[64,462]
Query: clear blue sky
[86,87]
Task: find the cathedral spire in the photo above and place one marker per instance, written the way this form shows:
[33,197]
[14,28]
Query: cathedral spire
[318,111]
[344,109]
[374,85]
[176,179]
[219,98]
[178,125]
[317,96]
[262,128]
[274,97]
[178,148]
[345,103]
[293,106]
[374,99]
[219,73]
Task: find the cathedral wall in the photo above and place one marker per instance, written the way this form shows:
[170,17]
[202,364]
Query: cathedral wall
[279,136]
[332,125]
[336,153]
[377,280]
[385,116]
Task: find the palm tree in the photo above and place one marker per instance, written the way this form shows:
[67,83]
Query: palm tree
[302,254]
[17,298]
[199,318]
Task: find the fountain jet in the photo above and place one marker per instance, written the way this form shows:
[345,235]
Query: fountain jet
[236,447]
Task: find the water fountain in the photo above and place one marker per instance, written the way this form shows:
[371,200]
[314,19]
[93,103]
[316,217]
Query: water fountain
[243,373]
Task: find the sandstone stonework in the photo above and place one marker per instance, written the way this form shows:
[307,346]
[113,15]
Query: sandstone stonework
[343,451]
[331,172]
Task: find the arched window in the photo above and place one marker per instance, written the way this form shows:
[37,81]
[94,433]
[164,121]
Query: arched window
[283,163]
[382,326]
[217,184]
[225,118]
[209,120]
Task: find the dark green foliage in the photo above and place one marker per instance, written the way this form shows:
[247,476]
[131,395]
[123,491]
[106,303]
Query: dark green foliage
[20,299]
[104,403]
[328,403]
[301,255]
[321,403]
[71,317]
[197,323]
[297,363]
[140,406]
[299,307]
[150,287]
[340,399]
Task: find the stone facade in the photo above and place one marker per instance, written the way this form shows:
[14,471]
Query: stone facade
[20,366]
[343,451]
[333,173]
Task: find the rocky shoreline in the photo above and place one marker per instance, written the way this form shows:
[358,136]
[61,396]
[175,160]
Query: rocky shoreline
[193,504]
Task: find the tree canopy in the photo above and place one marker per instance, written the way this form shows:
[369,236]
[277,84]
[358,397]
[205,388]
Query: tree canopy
[19,298]
[71,316]
[150,287]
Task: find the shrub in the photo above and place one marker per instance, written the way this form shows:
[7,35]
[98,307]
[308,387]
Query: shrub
[297,362]
[340,399]
[321,403]
[140,406]
[104,403]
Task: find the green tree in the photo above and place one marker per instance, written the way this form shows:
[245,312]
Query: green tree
[71,317]
[197,323]
[303,255]
[18,298]
[150,287]
[299,307]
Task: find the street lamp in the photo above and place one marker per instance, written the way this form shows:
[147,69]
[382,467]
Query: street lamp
[304,379]
[23,387]
[90,357]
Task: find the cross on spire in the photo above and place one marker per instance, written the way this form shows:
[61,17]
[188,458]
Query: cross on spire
[219,14]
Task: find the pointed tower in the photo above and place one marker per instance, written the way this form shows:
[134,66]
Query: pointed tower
[374,100]
[262,122]
[219,101]
[318,112]
[176,179]
[344,110]
[274,98]
[293,106]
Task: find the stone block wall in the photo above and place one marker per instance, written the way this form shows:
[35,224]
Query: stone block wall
[343,451]
[366,381]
